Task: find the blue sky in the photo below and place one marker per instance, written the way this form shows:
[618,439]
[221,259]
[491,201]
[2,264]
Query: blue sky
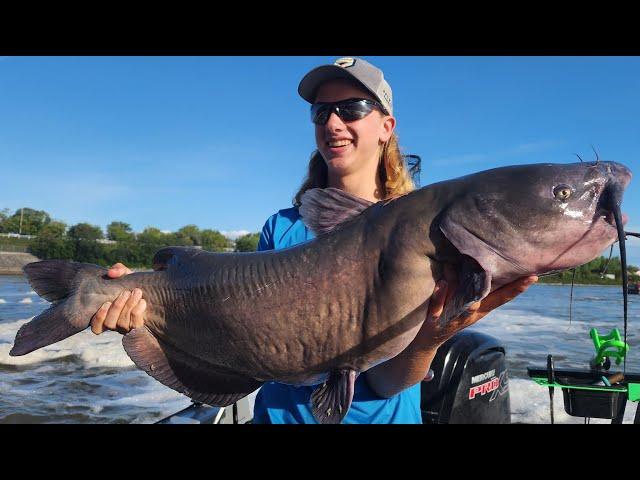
[223,142]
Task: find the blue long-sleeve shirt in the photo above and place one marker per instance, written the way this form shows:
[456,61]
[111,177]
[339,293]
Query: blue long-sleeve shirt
[280,403]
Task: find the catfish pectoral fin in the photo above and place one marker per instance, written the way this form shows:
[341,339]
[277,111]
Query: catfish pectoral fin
[330,402]
[184,373]
[474,284]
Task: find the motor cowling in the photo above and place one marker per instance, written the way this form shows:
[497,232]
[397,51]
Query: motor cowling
[470,383]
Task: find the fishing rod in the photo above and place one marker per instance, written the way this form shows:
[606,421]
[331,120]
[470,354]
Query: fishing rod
[617,215]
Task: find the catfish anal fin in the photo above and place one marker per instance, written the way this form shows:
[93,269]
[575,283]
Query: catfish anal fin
[186,374]
[331,401]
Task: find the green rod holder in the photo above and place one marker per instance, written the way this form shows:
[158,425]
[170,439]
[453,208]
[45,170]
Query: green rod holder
[610,345]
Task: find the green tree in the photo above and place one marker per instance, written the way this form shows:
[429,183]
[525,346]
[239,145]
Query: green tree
[148,243]
[247,243]
[90,251]
[189,235]
[590,272]
[152,236]
[53,243]
[84,231]
[26,221]
[58,248]
[178,239]
[214,241]
[54,229]
[120,232]
[4,214]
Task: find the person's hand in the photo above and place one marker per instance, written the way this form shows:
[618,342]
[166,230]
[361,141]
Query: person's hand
[438,334]
[123,314]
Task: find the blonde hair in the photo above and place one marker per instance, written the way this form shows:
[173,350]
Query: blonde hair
[392,172]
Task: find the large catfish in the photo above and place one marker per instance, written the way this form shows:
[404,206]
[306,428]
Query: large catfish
[218,325]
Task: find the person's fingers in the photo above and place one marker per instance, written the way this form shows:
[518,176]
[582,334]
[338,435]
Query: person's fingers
[123,324]
[97,321]
[137,314]
[117,270]
[506,293]
[470,316]
[437,301]
[451,276]
[113,314]
[473,308]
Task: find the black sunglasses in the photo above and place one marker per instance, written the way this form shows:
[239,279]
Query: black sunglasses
[348,110]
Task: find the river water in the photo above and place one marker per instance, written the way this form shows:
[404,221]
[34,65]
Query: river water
[89,378]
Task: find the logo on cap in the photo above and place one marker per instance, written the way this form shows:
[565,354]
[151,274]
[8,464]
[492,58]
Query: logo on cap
[386,96]
[345,62]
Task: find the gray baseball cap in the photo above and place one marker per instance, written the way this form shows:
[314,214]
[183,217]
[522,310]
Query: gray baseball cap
[365,74]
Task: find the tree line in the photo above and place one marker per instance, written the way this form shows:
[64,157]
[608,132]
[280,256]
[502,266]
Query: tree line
[84,242]
[594,272]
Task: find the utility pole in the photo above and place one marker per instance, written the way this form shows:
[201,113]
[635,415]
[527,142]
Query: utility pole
[21,212]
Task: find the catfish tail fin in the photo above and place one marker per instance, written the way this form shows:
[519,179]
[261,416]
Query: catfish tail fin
[56,281]
[53,280]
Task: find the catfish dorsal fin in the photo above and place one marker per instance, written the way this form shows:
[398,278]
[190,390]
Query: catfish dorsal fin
[323,209]
[171,256]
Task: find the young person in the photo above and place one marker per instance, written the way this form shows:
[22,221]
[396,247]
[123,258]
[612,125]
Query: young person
[357,152]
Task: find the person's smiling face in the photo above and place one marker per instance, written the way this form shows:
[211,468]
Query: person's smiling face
[348,147]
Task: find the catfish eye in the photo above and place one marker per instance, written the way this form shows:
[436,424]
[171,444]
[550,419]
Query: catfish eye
[562,191]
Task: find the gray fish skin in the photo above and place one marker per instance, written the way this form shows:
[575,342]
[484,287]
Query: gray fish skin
[356,296]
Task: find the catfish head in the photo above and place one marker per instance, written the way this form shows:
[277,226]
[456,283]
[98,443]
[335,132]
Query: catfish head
[532,220]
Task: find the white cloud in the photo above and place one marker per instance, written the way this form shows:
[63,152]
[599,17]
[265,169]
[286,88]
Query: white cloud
[234,234]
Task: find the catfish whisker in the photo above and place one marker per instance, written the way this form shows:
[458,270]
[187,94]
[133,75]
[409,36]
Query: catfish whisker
[606,265]
[573,277]
[597,156]
[623,261]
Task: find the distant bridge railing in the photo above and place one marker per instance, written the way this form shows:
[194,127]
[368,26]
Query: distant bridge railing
[16,235]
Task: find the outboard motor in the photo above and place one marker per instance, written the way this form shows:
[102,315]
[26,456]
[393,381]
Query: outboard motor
[470,384]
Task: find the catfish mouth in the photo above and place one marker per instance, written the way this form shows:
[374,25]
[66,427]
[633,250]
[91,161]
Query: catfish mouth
[602,232]
[603,229]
